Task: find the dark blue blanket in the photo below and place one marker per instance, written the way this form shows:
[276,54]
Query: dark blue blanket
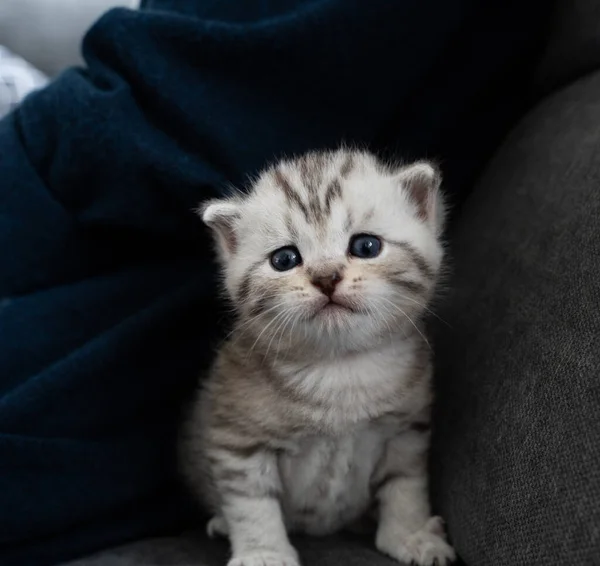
[107,305]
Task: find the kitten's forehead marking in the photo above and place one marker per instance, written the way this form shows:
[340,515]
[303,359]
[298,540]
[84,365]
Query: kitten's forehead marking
[290,194]
[291,228]
[311,169]
[334,191]
[313,199]
[347,166]
[349,222]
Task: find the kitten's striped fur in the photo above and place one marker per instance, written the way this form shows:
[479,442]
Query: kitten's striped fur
[314,416]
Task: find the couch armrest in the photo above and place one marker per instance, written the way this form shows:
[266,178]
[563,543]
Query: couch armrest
[515,451]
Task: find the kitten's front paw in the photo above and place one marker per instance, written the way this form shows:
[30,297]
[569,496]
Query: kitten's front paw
[217,527]
[265,559]
[427,547]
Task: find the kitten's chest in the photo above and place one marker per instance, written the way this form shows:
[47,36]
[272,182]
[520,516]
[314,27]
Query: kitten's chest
[339,394]
[327,480]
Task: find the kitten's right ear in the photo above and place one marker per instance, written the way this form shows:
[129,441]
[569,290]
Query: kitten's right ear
[422,180]
[221,217]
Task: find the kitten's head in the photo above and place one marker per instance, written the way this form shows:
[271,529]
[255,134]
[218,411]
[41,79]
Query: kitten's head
[332,251]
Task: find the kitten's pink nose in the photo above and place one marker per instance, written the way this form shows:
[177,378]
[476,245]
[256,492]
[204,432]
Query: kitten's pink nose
[326,283]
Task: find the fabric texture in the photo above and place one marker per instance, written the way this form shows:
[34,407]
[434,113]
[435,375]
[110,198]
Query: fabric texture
[195,549]
[516,452]
[107,302]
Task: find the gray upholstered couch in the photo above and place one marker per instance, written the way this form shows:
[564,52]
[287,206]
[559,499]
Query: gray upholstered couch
[516,457]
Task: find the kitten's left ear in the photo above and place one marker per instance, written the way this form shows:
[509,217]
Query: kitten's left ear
[221,216]
[422,181]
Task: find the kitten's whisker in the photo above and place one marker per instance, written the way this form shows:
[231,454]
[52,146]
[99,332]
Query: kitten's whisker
[280,327]
[265,312]
[293,318]
[390,313]
[425,307]
[288,313]
[292,332]
[243,327]
[275,318]
[287,321]
[380,317]
[409,318]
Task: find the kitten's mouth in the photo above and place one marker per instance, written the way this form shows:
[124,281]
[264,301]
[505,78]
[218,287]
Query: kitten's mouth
[335,306]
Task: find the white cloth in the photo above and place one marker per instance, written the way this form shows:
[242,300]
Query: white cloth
[17,79]
[48,33]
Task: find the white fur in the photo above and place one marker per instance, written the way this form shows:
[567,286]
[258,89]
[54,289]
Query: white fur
[356,378]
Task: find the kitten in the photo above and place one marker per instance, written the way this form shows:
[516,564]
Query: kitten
[316,413]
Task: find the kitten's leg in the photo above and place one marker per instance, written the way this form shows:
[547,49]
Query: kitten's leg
[249,489]
[406,530]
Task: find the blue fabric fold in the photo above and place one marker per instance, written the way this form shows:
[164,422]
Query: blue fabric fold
[108,309]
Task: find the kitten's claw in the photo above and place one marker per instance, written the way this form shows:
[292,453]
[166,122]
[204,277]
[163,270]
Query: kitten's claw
[217,527]
[426,547]
[264,559]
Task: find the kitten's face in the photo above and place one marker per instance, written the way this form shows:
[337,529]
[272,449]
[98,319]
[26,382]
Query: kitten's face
[331,252]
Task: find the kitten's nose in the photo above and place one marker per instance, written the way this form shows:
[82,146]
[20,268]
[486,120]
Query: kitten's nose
[326,283]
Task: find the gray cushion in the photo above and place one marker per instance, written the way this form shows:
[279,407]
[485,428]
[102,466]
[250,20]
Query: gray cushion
[194,549]
[516,455]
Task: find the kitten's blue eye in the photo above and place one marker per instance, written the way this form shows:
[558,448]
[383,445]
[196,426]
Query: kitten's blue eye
[365,246]
[285,259]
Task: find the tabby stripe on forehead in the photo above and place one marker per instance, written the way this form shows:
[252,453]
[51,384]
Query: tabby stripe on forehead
[334,191]
[421,263]
[310,173]
[349,222]
[289,224]
[305,171]
[290,194]
[317,163]
[346,167]
[314,205]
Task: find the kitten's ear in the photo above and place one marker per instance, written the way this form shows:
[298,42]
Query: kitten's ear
[221,216]
[422,180]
